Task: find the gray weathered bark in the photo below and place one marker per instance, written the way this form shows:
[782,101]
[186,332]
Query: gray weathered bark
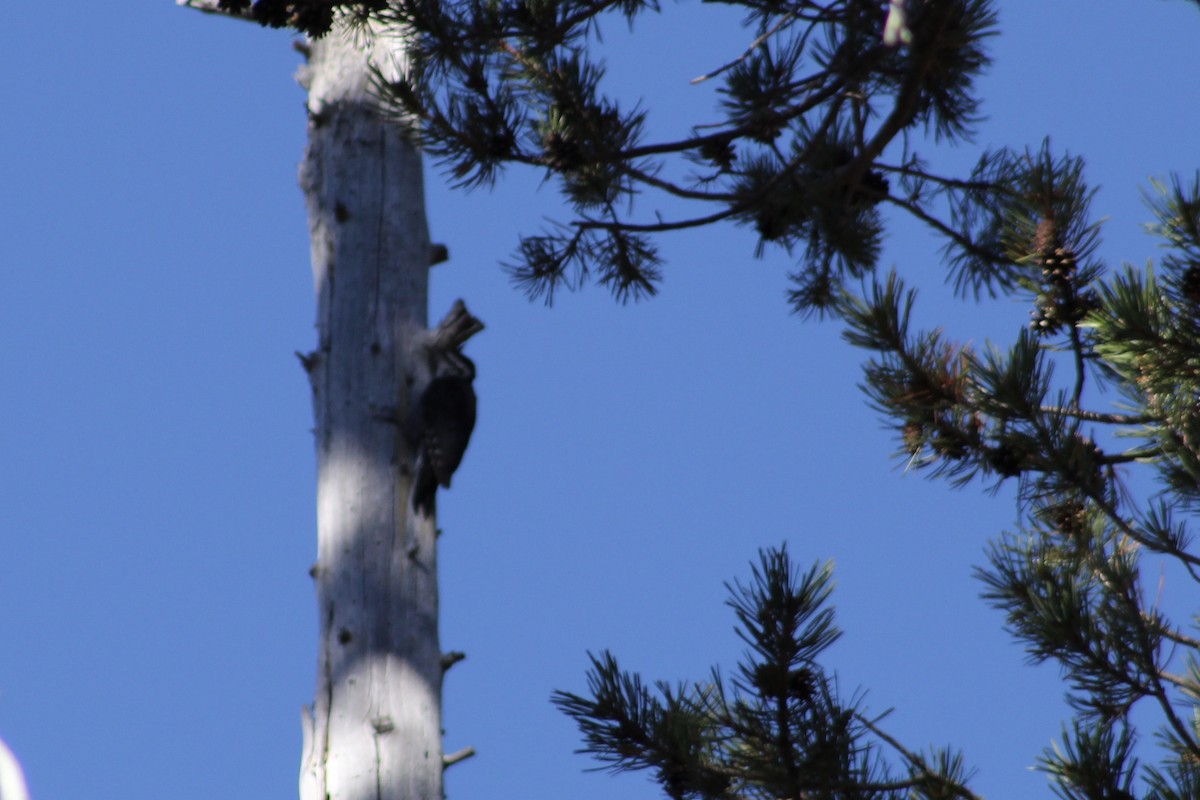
[374,729]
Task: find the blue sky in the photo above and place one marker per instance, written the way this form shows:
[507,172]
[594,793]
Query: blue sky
[156,510]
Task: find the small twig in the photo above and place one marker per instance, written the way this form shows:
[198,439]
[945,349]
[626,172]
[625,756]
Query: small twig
[658,227]
[786,18]
[950,183]
[309,360]
[1181,638]
[1080,370]
[438,253]
[1130,458]
[679,191]
[1190,562]
[962,241]
[453,758]
[1175,680]
[916,760]
[814,99]
[1098,416]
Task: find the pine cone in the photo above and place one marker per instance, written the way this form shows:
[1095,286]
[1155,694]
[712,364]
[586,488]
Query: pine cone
[1068,517]
[720,152]
[1005,460]
[913,434]
[1189,285]
[1045,319]
[1058,267]
[560,151]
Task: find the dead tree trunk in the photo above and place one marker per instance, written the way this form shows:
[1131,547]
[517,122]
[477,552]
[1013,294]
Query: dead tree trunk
[374,729]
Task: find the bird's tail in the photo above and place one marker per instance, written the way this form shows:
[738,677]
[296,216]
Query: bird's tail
[424,488]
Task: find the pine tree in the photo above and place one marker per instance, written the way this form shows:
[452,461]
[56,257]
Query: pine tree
[779,728]
[823,117]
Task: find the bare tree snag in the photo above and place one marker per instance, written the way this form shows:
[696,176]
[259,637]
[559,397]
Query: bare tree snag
[374,729]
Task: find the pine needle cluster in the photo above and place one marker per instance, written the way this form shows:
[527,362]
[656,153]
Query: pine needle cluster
[779,728]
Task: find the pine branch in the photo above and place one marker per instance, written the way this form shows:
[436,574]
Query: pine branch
[945,181]
[1184,734]
[1099,416]
[742,131]
[918,764]
[1180,639]
[658,227]
[741,207]
[959,238]
[778,26]
[1189,561]
[1078,356]
[679,191]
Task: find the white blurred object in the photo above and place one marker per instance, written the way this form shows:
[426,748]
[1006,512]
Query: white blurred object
[895,28]
[12,779]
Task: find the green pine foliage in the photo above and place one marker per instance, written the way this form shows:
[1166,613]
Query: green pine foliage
[778,728]
[1077,581]
[818,132]
[797,155]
